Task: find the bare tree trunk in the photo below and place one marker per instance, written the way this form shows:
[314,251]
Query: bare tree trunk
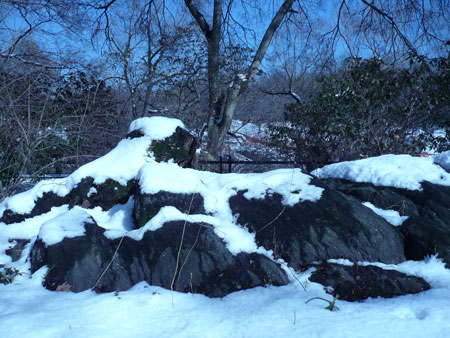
[222,104]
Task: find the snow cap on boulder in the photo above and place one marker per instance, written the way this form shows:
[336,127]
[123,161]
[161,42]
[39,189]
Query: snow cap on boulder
[399,171]
[156,127]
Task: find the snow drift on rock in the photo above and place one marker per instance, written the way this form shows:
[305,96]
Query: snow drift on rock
[399,171]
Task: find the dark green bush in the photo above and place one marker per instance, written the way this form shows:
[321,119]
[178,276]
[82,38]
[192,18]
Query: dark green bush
[371,108]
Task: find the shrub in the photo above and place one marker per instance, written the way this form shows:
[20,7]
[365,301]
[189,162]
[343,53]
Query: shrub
[370,108]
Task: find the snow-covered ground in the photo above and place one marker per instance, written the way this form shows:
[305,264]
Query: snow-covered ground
[252,142]
[27,309]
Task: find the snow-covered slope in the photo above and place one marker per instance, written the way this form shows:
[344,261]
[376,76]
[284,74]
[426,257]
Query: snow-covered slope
[27,309]
[120,164]
[443,160]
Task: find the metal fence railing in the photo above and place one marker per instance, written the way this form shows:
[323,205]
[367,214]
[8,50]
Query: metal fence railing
[229,165]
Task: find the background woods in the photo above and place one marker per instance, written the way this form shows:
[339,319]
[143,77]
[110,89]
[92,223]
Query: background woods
[339,79]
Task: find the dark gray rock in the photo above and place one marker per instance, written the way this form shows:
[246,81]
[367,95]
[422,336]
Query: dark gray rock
[204,264]
[357,282]
[146,206]
[16,251]
[135,134]
[336,226]
[427,230]
[43,205]
[78,261]
[388,198]
[50,200]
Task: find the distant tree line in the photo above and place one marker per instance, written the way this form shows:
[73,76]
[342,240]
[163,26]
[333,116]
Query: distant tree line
[354,78]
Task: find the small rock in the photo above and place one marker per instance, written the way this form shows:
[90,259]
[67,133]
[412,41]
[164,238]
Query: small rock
[358,282]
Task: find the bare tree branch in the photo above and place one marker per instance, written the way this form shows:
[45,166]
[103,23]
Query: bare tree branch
[266,40]
[394,25]
[198,17]
[288,93]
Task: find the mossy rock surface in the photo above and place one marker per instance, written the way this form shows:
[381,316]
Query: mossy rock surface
[111,193]
[107,195]
[179,148]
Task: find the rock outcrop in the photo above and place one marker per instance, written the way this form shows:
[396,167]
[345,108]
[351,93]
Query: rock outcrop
[336,226]
[180,256]
[427,229]
[215,234]
[146,206]
[180,148]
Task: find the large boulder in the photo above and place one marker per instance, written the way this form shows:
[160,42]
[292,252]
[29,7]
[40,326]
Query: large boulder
[427,229]
[336,226]
[358,282]
[181,256]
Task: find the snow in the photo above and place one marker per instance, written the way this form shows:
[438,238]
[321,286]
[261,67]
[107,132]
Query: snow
[292,184]
[28,229]
[120,164]
[67,225]
[237,238]
[216,190]
[399,171]
[156,127]
[242,77]
[251,142]
[432,269]
[391,216]
[27,309]
[443,159]
[91,192]
[117,221]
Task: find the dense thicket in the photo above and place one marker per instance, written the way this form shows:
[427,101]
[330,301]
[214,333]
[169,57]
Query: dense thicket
[52,122]
[369,108]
